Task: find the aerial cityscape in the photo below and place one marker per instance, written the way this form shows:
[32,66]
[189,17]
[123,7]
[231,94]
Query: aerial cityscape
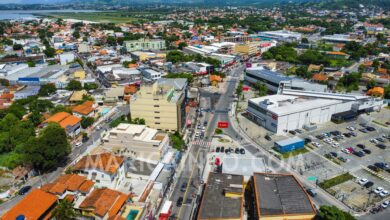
[194,110]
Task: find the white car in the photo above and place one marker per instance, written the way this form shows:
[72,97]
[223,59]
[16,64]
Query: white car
[384,193]
[345,151]
[378,190]
[197,134]
[78,144]
[385,204]
[363,181]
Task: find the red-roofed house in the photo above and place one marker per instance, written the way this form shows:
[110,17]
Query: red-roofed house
[106,169]
[38,204]
[103,204]
[69,122]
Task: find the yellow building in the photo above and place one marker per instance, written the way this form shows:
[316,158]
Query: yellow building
[143,56]
[161,104]
[249,48]
[79,74]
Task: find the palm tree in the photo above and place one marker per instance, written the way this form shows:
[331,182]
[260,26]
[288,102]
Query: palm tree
[64,211]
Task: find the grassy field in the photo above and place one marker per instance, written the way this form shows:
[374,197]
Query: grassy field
[335,181]
[102,17]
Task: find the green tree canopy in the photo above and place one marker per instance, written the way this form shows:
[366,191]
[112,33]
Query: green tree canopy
[46,151]
[333,213]
[86,122]
[74,85]
[47,89]
[64,211]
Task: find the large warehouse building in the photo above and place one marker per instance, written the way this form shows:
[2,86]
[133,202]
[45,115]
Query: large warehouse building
[276,81]
[298,109]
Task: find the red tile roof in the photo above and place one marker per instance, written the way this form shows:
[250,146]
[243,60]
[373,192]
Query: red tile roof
[103,201]
[105,162]
[70,182]
[33,206]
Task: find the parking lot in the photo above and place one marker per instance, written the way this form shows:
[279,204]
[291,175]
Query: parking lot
[342,145]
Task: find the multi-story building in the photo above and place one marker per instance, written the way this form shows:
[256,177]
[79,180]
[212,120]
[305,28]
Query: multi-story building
[161,105]
[249,48]
[145,44]
[139,140]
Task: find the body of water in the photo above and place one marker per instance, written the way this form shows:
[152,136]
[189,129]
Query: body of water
[31,14]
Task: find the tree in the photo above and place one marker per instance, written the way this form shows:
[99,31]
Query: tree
[47,89]
[64,211]
[60,108]
[333,213]
[31,64]
[4,82]
[35,117]
[370,84]
[304,40]
[262,88]
[177,141]
[17,109]
[86,122]
[17,47]
[387,92]
[74,85]
[90,86]
[182,45]
[50,52]
[50,148]
[76,34]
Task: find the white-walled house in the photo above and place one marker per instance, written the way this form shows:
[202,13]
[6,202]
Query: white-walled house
[106,169]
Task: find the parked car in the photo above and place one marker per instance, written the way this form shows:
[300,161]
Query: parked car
[362,146]
[363,181]
[359,153]
[363,130]
[381,165]
[307,140]
[237,150]
[217,149]
[384,193]
[222,149]
[381,146]
[369,128]
[292,132]
[242,151]
[368,184]
[268,138]
[333,154]
[311,192]
[343,159]
[385,204]
[378,190]
[373,168]
[78,144]
[179,202]
[24,190]
[367,151]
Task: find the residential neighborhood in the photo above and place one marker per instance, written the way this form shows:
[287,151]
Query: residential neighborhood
[228,110]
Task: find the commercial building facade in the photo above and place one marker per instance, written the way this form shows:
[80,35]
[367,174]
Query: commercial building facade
[276,82]
[139,140]
[145,44]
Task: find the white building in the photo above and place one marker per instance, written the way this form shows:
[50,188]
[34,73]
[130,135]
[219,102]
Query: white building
[138,141]
[276,82]
[107,170]
[282,35]
[151,74]
[296,109]
[66,58]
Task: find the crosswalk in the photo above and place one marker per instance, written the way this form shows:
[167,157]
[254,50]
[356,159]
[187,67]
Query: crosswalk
[201,143]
